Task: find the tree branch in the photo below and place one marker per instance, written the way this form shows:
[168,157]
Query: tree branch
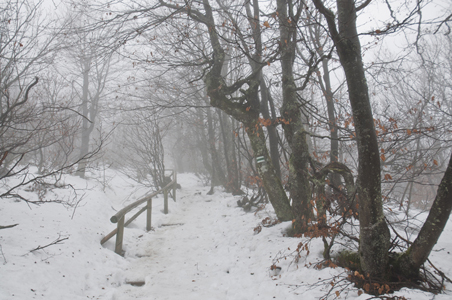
[9,110]
[444,22]
[329,16]
[55,242]
[363,5]
[8,226]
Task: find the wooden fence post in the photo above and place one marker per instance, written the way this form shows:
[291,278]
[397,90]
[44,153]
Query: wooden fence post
[119,217]
[165,206]
[149,215]
[119,236]
[174,185]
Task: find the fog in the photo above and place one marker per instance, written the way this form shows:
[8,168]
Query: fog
[334,122]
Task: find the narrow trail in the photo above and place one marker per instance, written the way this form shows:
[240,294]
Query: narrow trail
[209,254]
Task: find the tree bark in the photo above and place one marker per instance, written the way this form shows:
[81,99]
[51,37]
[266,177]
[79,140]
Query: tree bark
[202,143]
[325,84]
[417,254]
[273,138]
[255,61]
[272,183]
[232,184]
[374,232]
[299,186]
[218,177]
[246,110]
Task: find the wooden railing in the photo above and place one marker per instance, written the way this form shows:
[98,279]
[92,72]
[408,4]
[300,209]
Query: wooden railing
[119,217]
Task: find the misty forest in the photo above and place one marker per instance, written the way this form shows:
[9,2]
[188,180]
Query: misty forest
[285,148]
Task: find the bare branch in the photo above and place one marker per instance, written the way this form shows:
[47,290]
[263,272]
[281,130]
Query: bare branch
[363,5]
[444,22]
[55,242]
[8,226]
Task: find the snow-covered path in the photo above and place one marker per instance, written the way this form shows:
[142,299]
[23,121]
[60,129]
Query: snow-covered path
[211,256]
[212,252]
[209,252]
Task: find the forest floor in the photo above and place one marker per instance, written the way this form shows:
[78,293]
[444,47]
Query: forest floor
[204,248]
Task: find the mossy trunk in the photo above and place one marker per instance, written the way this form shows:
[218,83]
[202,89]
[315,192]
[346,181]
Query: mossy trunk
[269,177]
[298,183]
[374,232]
[255,61]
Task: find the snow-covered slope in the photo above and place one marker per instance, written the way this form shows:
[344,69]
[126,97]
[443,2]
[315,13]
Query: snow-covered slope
[205,248]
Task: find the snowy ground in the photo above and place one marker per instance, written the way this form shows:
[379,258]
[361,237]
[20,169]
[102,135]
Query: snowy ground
[210,251]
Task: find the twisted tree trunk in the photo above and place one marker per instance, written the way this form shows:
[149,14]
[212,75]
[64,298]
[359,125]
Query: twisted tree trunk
[246,110]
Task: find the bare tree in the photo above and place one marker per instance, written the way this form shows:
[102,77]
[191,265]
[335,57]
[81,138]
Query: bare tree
[31,121]
[84,46]
[141,149]
[221,43]
[24,51]
[374,232]
[240,99]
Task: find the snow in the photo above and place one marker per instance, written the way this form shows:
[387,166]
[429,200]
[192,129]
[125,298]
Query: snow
[204,248]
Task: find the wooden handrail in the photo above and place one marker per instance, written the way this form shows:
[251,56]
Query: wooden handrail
[120,215]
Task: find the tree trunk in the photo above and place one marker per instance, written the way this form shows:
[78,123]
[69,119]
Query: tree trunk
[325,85]
[84,147]
[245,110]
[250,119]
[332,124]
[272,184]
[273,138]
[255,61]
[218,177]
[299,186]
[374,232]
[202,142]
[236,162]
[417,254]
[232,184]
